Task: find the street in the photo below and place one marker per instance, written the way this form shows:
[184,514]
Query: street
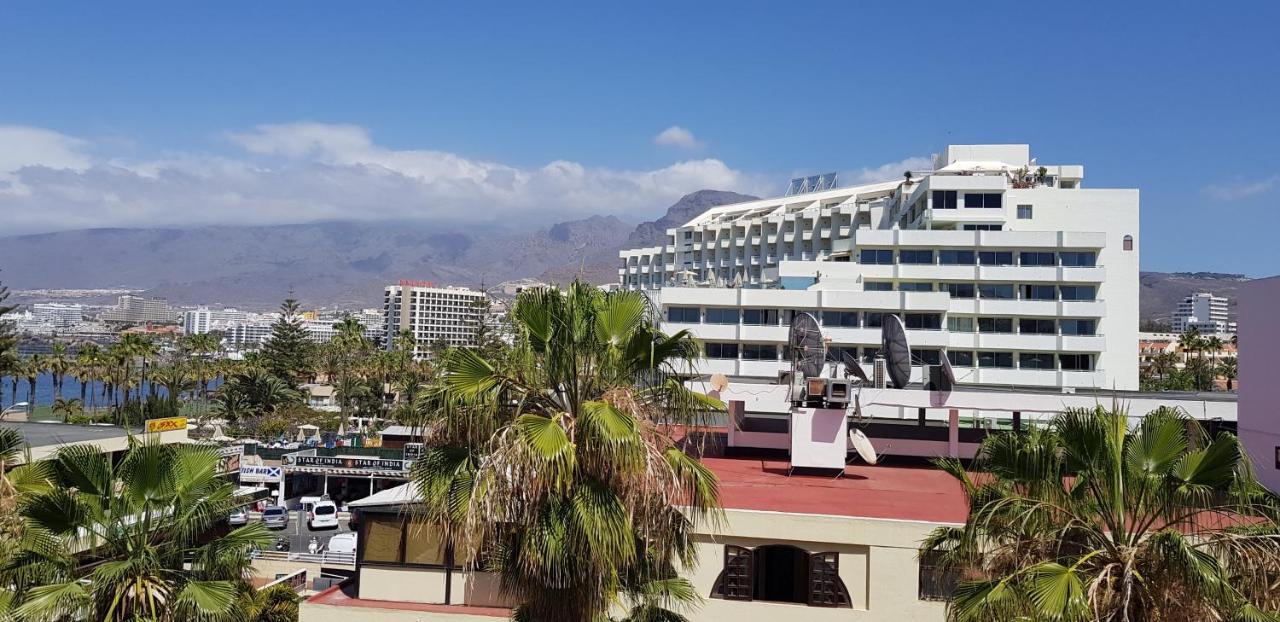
[300,534]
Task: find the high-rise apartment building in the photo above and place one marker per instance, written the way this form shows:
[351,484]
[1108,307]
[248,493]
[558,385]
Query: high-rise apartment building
[203,319]
[1205,313]
[1021,275]
[449,315]
[138,310]
[57,315]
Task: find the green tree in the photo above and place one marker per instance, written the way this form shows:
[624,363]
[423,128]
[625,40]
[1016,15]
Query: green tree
[8,347]
[59,364]
[278,603]
[68,408]
[1229,369]
[287,353]
[146,521]
[1088,519]
[31,369]
[549,462]
[88,369]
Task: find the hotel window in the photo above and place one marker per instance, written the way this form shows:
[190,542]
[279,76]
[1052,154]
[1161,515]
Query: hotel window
[960,358]
[958,290]
[923,321]
[1003,360]
[1128,242]
[1076,362]
[686,315]
[915,287]
[760,317]
[956,258]
[959,324]
[781,573]
[937,582]
[759,352]
[876,257]
[927,357]
[1082,259]
[1079,327]
[722,316]
[877,286]
[721,350]
[1029,326]
[995,291]
[872,319]
[944,199]
[1035,360]
[1078,292]
[1037,259]
[915,257]
[1024,212]
[990,199]
[983,227]
[995,325]
[995,258]
[839,353]
[1039,292]
[843,319]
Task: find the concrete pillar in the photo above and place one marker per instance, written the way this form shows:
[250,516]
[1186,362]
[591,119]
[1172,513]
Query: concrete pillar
[326,484]
[284,478]
[953,433]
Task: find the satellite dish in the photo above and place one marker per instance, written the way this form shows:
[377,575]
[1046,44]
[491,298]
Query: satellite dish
[862,445]
[897,353]
[808,353]
[948,374]
[852,368]
[719,382]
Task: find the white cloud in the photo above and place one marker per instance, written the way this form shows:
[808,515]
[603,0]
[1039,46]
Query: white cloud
[1241,190]
[676,136]
[305,172]
[887,172]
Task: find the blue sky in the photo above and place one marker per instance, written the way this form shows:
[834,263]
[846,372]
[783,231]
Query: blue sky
[172,113]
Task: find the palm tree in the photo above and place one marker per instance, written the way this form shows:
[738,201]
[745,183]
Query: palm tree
[1229,370]
[175,379]
[59,364]
[88,368]
[146,520]
[32,367]
[67,407]
[1189,341]
[550,462]
[278,603]
[1091,520]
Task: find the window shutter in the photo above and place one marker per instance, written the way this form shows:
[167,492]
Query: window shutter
[825,587]
[735,582]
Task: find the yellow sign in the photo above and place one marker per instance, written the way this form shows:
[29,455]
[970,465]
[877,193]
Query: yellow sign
[166,425]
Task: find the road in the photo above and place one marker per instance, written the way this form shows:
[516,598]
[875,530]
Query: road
[300,534]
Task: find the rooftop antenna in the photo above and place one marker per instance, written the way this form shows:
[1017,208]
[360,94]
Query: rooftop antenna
[862,445]
[853,368]
[808,352]
[897,352]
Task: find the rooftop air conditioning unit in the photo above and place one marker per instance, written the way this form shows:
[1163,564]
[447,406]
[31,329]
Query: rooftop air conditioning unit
[838,392]
[879,375]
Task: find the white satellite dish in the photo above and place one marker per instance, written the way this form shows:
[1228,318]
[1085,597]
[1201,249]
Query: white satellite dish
[719,382]
[862,445]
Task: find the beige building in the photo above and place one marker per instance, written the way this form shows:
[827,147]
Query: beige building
[792,547]
[449,315]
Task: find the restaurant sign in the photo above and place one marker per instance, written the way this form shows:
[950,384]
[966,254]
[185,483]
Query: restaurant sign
[345,462]
[168,424]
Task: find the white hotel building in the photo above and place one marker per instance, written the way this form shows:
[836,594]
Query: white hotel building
[1024,277]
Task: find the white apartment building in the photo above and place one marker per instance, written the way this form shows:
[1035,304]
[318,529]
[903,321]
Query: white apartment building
[138,310]
[1024,277]
[451,315]
[57,315]
[203,319]
[1204,312]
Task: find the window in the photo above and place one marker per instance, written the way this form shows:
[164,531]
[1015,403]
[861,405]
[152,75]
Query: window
[1028,326]
[781,573]
[1039,292]
[688,315]
[1080,259]
[915,287]
[839,353]
[1128,242]
[927,357]
[1035,360]
[922,321]
[759,352]
[1037,259]
[995,291]
[877,257]
[995,325]
[1079,327]
[955,258]
[1024,212]
[936,583]
[944,199]
[844,319]
[872,319]
[915,257]
[1078,292]
[996,359]
[996,258]
[760,317]
[1076,362]
[987,199]
[877,286]
[721,350]
[394,539]
[958,290]
[959,324]
[722,316]
[983,227]
[960,358]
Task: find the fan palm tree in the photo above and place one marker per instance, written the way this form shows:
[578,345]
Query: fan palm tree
[278,603]
[1229,369]
[175,378]
[32,367]
[67,408]
[146,522]
[59,365]
[1091,520]
[1190,342]
[87,370]
[551,463]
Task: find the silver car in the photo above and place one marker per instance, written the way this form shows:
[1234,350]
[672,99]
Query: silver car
[275,517]
[238,517]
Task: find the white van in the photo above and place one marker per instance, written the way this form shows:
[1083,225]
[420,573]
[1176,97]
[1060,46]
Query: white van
[308,502]
[343,543]
[323,515]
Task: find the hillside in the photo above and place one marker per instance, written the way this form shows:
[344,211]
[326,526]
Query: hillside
[1162,291]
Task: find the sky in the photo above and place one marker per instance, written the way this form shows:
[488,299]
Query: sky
[182,114]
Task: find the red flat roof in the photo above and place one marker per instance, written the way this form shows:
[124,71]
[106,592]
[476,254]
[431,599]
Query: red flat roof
[891,492]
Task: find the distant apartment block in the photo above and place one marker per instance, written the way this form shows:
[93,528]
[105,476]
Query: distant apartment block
[1017,272]
[1204,312]
[57,315]
[138,310]
[203,319]
[449,315]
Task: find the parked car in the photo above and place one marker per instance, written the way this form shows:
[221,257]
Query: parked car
[323,515]
[275,517]
[238,517]
[343,543]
